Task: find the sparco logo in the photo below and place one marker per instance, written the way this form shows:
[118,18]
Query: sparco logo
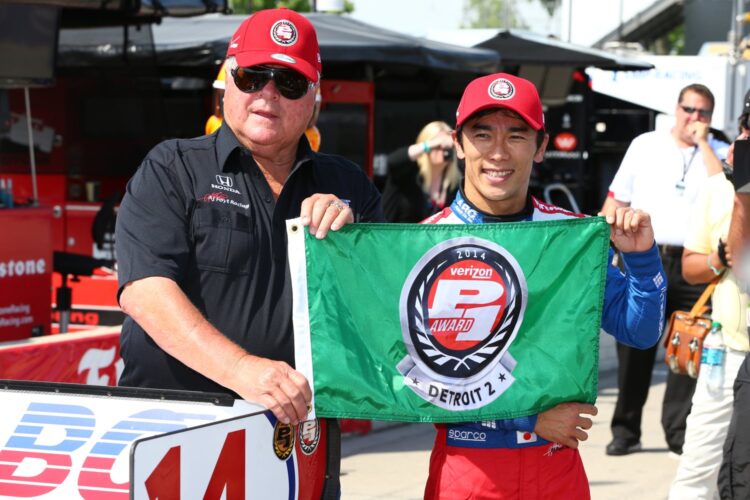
[461,307]
[467,435]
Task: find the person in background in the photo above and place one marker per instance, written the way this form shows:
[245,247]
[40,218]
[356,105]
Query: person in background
[423,177]
[499,135]
[201,235]
[663,173]
[312,132]
[705,257]
[214,121]
[734,473]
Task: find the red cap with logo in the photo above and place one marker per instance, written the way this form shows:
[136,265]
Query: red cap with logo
[502,90]
[277,36]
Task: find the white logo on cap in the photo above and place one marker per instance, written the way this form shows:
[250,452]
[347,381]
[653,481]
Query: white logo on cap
[284,33]
[501,89]
[284,57]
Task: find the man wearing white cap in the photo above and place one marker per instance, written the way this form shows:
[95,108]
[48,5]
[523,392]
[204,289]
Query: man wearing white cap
[201,231]
[499,134]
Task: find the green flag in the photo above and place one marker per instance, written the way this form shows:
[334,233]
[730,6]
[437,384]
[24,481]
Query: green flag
[447,323]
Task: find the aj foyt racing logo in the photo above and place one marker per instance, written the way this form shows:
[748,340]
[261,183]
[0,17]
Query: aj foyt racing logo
[501,89]
[461,307]
[284,32]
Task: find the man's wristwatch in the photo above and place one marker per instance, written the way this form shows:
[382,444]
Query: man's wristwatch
[711,266]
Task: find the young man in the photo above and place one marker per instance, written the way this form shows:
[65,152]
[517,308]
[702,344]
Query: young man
[499,134]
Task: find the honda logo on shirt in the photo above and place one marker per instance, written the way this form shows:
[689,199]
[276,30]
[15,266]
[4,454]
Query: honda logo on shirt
[224,180]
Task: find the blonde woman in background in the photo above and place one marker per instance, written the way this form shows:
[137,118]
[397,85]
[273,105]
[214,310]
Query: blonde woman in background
[422,178]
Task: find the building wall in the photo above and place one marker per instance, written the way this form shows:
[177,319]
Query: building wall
[706,20]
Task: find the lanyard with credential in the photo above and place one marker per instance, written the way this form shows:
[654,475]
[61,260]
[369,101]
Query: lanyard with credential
[680,186]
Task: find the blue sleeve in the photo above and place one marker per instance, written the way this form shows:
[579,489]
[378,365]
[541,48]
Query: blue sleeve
[525,424]
[633,310]
[634,301]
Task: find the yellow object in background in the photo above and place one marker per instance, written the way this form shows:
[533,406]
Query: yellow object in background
[313,137]
[219,83]
[212,124]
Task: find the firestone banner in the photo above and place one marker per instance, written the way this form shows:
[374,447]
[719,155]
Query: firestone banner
[91,358]
[444,323]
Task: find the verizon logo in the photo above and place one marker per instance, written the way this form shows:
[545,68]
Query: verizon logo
[472,272]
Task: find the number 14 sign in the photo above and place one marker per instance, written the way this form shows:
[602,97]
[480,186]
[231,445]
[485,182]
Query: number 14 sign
[68,441]
[252,456]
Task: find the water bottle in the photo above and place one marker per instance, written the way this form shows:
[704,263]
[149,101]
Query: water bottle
[712,357]
[9,193]
[3,194]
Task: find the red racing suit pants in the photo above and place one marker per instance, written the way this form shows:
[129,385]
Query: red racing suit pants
[547,471]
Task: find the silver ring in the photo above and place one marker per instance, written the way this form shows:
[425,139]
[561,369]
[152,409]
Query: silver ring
[339,205]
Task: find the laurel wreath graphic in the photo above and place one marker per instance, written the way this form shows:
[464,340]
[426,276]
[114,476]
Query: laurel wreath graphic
[477,357]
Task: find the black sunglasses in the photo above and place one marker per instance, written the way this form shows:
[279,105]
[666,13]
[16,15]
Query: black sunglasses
[290,84]
[705,113]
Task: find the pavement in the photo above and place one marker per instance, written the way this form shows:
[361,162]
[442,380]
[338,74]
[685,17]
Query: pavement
[391,462]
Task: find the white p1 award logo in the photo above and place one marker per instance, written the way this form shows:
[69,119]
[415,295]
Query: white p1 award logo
[461,307]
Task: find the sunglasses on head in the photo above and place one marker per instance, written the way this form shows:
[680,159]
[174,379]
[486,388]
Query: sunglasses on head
[705,113]
[289,83]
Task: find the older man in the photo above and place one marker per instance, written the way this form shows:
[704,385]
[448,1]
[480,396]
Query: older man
[200,233]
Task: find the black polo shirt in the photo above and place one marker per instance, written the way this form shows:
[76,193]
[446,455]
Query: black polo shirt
[200,212]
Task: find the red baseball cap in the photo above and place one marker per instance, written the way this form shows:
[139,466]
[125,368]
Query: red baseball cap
[502,90]
[277,36]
